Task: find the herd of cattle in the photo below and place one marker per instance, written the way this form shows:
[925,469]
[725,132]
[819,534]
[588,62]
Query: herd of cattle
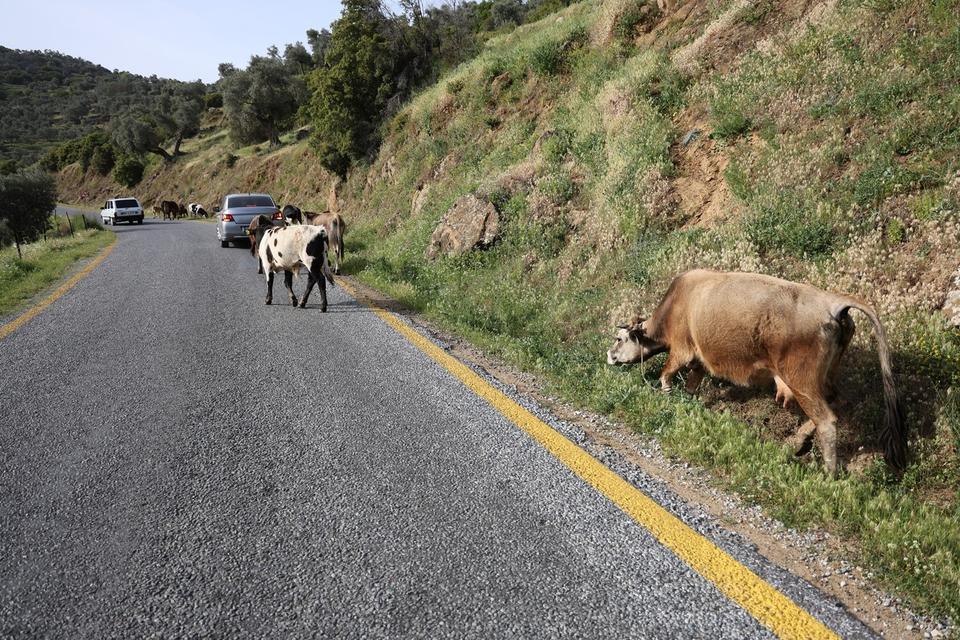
[745,327]
[170,210]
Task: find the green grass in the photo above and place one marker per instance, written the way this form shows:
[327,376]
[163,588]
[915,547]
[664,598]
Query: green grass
[44,263]
[831,179]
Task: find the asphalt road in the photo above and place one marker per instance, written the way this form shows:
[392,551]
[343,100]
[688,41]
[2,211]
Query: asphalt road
[178,459]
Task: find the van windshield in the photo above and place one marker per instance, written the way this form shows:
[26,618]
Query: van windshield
[249,201]
[127,203]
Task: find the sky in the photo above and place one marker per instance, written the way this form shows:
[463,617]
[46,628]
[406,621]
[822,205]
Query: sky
[171,39]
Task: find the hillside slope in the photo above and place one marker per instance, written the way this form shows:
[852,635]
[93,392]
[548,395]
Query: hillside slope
[47,97]
[621,142]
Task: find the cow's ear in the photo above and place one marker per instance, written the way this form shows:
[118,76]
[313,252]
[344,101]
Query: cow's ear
[637,329]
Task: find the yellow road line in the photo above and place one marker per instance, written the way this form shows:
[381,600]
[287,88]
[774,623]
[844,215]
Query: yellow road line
[760,599]
[32,312]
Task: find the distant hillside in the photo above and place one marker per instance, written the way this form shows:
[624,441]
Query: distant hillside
[47,97]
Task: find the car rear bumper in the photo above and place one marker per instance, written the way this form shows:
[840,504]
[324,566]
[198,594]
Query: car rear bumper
[233,231]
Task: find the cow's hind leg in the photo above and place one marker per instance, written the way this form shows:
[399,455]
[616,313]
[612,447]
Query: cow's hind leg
[306,294]
[820,414]
[288,283]
[269,299]
[694,377]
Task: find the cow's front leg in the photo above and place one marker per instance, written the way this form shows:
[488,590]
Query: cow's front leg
[306,294]
[288,283]
[269,299]
[670,369]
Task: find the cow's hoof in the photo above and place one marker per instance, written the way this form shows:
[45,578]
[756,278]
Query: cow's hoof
[268,301]
[801,445]
[294,301]
[323,309]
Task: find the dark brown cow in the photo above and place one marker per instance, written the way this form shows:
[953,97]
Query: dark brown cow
[748,328]
[170,209]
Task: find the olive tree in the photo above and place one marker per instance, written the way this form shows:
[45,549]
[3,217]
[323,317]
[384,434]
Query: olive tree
[26,200]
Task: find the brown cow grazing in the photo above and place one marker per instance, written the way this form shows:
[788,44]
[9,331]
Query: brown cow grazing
[749,328]
[181,211]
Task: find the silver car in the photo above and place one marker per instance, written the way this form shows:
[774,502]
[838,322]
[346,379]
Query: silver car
[238,210]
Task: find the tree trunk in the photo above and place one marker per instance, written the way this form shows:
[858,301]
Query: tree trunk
[160,151]
[176,145]
[16,241]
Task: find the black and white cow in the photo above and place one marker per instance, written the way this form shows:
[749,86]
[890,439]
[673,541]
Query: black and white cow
[288,249]
[197,209]
[292,214]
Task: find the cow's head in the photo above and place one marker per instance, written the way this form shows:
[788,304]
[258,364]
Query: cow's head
[631,344]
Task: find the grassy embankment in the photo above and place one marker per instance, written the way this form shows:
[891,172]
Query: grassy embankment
[44,263]
[813,141]
[824,154]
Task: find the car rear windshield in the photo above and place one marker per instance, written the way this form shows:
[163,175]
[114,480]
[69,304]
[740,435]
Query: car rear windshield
[128,203]
[249,201]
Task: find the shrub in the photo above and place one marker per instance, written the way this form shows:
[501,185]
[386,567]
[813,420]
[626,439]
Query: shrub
[783,223]
[28,199]
[128,171]
[557,186]
[103,159]
[213,101]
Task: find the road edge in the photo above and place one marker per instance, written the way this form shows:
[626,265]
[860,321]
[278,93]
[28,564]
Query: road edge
[9,327]
[760,599]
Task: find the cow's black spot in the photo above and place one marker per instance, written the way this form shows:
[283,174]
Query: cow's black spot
[279,254]
[274,242]
[269,254]
[316,246]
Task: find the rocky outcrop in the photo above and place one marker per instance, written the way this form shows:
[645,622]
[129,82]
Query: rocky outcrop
[470,224]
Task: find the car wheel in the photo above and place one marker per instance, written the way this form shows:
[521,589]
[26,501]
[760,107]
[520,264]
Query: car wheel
[224,243]
[140,221]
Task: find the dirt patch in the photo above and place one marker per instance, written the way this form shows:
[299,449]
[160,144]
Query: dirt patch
[705,198]
[741,28]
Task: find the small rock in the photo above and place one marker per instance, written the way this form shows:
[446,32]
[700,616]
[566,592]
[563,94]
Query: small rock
[692,135]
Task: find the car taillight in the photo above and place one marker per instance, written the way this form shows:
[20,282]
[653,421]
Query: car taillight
[227,217]
[278,216]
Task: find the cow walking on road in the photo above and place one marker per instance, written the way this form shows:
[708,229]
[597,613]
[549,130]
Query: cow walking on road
[288,249]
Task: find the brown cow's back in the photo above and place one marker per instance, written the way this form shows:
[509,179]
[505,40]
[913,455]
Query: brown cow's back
[741,324]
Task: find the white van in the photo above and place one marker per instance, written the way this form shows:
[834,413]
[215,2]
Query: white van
[122,210]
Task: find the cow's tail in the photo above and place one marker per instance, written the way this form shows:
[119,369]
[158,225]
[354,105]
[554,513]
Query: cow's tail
[894,434]
[319,246]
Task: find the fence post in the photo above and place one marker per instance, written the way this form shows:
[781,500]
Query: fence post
[69,223]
